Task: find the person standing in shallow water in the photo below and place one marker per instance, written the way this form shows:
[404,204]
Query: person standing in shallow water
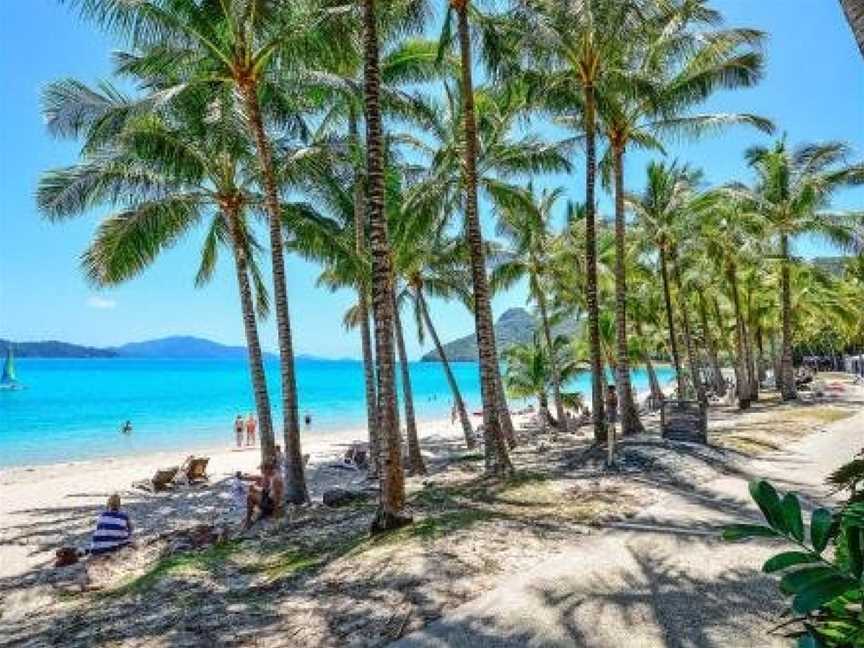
[251,428]
[238,430]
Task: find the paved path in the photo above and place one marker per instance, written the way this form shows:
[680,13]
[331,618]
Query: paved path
[661,579]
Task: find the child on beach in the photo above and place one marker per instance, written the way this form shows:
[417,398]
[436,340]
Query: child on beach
[251,426]
[238,492]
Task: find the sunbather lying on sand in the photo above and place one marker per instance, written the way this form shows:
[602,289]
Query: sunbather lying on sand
[265,494]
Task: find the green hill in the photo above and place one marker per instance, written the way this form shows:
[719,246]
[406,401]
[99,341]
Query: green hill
[515,326]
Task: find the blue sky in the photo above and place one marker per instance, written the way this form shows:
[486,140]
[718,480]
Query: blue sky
[813,90]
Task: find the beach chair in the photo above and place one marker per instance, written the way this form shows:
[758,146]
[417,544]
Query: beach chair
[162,480]
[357,455]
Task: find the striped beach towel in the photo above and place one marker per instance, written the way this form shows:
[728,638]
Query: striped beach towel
[112,531]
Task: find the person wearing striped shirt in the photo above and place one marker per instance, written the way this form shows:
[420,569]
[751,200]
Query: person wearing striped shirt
[113,528]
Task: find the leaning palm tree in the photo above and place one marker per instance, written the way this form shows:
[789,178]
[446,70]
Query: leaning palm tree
[854,10]
[524,220]
[251,48]
[793,191]
[165,173]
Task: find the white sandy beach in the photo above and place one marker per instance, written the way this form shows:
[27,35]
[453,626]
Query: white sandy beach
[47,506]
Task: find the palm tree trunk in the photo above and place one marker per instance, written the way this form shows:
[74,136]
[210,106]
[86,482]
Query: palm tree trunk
[761,370]
[597,378]
[670,320]
[751,357]
[295,480]
[497,456]
[654,384]
[363,306]
[553,361]
[692,358]
[854,10]
[711,348]
[250,328]
[507,429]
[415,458]
[787,378]
[543,410]
[630,423]
[448,373]
[391,507]
[741,388]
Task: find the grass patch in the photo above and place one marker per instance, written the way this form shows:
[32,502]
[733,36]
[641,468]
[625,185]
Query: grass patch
[468,456]
[184,563]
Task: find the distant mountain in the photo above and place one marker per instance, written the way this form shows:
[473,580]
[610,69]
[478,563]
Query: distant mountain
[54,349]
[181,347]
[515,326]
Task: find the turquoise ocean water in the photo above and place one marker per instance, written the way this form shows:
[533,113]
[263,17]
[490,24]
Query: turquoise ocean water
[72,409]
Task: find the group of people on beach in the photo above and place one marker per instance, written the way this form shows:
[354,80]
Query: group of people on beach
[249,426]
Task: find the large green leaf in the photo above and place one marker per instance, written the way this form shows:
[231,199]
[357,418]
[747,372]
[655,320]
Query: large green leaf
[820,592]
[820,529]
[788,559]
[796,581]
[768,501]
[735,532]
[792,516]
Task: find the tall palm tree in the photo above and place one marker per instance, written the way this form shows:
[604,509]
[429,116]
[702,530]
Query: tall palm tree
[793,191]
[497,457]
[240,45]
[165,173]
[391,510]
[524,221]
[683,61]
[576,49]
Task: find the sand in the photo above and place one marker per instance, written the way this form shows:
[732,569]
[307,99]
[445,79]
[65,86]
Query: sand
[47,506]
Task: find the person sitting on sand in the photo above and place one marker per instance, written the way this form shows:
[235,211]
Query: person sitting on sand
[251,426]
[265,495]
[113,528]
[238,430]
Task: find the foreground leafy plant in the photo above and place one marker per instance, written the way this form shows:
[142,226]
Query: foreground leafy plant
[826,590]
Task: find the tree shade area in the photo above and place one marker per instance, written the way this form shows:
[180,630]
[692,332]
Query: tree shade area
[342,133]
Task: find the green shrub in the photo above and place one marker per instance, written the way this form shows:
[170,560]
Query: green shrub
[822,576]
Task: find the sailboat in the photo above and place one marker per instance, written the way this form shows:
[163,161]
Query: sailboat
[8,382]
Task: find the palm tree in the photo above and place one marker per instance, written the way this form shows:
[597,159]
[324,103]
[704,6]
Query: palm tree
[524,221]
[241,45]
[793,191]
[684,61]
[576,49]
[529,370]
[497,457]
[165,173]
[431,262]
[658,211]
[854,10]
[391,511]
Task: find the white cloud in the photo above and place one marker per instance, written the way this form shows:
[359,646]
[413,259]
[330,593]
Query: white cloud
[101,303]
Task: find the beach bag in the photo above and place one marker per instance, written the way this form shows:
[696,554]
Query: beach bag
[65,556]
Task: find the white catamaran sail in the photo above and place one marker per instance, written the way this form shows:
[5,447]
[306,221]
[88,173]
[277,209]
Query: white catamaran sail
[8,380]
